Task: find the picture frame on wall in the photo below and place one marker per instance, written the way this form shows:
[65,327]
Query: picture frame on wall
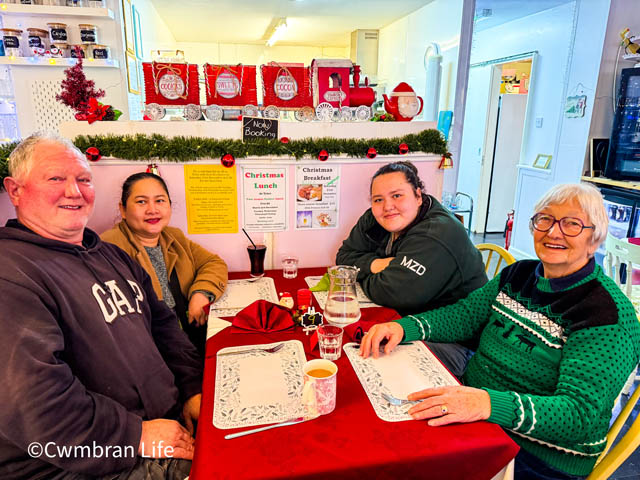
[127,18]
[133,77]
[137,28]
[542,161]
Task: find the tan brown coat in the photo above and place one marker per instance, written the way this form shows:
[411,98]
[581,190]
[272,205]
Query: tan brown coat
[195,266]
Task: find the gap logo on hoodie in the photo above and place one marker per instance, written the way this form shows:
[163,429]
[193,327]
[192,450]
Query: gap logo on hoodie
[114,303]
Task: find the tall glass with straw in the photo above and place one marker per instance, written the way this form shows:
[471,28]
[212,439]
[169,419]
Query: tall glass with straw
[256,257]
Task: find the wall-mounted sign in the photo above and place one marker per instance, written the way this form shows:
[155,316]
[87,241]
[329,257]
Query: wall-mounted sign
[211,198]
[257,127]
[264,199]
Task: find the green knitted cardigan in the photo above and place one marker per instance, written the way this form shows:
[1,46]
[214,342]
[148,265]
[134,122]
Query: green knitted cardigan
[552,354]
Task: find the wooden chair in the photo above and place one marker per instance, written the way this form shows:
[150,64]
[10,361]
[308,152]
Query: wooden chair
[618,264]
[620,252]
[502,258]
[610,460]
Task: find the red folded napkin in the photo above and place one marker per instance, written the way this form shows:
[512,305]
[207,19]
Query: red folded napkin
[262,316]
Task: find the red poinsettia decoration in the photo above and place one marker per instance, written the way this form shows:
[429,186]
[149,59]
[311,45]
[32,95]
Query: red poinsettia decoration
[96,110]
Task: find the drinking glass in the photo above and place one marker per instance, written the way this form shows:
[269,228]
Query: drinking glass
[289,266]
[256,257]
[330,341]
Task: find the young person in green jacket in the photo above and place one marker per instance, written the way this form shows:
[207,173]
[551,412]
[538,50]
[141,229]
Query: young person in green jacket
[557,341]
[413,255]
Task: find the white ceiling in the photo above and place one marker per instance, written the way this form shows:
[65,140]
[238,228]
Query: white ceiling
[503,11]
[327,23]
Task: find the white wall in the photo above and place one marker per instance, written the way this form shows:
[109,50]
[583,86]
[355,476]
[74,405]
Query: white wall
[402,45]
[155,36]
[569,141]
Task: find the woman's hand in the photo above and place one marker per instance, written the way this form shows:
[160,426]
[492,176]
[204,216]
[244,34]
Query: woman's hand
[196,308]
[380,264]
[451,405]
[191,411]
[370,343]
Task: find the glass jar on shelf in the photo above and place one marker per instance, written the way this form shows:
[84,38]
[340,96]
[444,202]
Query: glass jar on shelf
[95,4]
[78,49]
[88,33]
[38,39]
[11,41]
[100,52]
[58,32]
[75,3]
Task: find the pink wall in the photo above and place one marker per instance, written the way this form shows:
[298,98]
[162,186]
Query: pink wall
[314,248]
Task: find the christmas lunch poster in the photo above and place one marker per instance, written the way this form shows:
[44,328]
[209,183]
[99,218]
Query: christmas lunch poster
[264,199]
[212,198]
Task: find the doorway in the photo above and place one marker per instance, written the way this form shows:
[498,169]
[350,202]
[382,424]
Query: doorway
[495,126]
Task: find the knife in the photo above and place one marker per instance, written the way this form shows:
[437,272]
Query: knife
[293,421]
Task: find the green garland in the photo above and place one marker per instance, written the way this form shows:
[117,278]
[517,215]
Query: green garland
[144,148]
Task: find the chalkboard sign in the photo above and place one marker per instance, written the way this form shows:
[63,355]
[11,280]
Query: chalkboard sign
[257,127]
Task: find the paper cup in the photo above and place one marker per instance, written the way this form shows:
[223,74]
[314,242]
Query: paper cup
[320,385]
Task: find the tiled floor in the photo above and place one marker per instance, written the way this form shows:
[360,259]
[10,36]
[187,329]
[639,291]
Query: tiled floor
[631,468]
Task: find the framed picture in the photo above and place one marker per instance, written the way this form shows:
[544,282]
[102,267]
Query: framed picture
[574,108]
[137,28]
[542,161]
[133,78]
[127,18]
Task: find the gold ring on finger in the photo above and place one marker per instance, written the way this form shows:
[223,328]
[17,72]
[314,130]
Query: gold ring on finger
[444,409]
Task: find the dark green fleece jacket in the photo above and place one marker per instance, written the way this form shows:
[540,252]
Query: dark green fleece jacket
[435,263]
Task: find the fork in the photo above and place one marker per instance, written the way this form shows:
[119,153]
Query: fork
[274,349]
[397,401]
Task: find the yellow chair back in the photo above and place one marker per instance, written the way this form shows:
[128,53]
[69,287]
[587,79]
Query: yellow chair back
[610,460]
[501,260]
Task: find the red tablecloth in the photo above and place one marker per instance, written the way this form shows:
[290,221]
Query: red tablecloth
[351,442]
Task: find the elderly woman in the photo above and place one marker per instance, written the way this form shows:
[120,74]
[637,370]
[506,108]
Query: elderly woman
[413,255]
[557,340]
[184,274]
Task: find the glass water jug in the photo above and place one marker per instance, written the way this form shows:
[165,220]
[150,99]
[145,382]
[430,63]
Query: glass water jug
[342,307]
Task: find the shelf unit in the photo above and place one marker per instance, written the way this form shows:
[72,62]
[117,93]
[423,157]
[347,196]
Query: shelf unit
[614,183]
[57,62]
[48,11]
[43,112]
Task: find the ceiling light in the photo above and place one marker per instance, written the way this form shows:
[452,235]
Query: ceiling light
[278,31]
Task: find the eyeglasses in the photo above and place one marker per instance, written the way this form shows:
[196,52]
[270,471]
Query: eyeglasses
[570,226]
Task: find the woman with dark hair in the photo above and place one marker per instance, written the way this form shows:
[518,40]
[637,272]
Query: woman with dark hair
[184,274]
[413,255]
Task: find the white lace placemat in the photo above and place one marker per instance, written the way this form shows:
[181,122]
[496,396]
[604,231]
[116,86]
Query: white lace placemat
[257,388]
[321,297]
[407,369]
[241,293]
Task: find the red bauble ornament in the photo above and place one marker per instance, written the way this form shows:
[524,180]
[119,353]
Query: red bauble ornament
[153,168]
[323,155]
[372,153]
[93,154]
[228,160]
[403,149]
[284,140]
